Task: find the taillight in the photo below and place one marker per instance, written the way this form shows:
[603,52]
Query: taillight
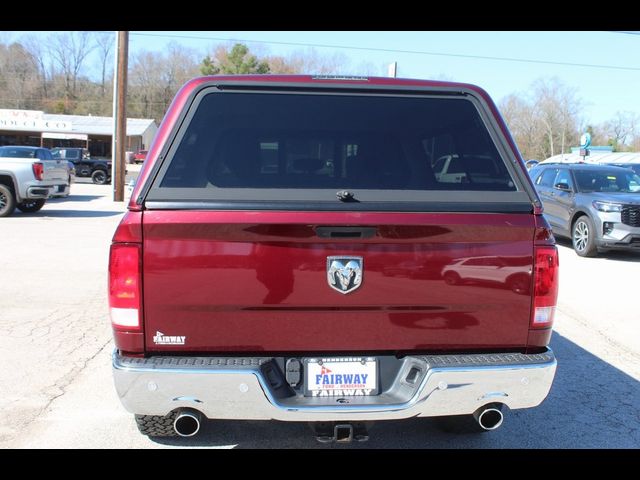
[38,170]
[125,303]
[545,286]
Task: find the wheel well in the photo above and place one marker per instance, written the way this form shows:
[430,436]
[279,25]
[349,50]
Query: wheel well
[576,216]
[8,181]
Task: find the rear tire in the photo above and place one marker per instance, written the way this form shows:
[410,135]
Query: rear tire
[157,425]
[583,236]
[99,177]
[31,206]
[7,201]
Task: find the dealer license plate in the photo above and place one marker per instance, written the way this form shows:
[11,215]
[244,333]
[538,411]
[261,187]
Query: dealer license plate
[341,377]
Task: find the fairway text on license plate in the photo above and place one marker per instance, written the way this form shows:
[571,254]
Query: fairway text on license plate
[341,377]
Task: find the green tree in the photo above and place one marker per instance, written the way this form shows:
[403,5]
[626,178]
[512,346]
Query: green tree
[241,61]
[235,62]
[208,67]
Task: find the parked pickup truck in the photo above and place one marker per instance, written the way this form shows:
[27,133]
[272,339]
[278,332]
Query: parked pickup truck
[28,176]
[283,252]
[98,169]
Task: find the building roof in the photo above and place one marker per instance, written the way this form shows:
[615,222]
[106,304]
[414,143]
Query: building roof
[93,125]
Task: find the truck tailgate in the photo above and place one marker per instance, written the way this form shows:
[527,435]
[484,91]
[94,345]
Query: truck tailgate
[430,281]
[55,170]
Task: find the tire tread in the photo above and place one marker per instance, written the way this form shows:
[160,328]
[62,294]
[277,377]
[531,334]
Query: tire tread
[11,200]
[156,425]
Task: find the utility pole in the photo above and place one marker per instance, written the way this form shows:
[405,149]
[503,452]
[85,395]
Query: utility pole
[114,114]
[120,116]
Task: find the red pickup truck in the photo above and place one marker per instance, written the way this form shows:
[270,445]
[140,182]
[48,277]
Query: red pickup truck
[289,253]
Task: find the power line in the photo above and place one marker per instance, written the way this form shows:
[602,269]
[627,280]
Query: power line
[388,50]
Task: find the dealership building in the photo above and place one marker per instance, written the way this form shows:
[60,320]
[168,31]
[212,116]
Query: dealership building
[36,128]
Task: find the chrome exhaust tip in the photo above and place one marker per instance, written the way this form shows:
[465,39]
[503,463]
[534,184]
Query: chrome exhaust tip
[187,423]
[488,417]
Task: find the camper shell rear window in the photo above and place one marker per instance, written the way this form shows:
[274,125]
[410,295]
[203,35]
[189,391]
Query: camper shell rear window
[239,146]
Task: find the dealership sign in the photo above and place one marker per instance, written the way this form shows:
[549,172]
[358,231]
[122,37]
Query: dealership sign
[30,120]
[33,125]
[21,114]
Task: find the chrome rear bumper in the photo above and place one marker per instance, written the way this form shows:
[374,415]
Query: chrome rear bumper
[245,387]
[38,192]
[45,191]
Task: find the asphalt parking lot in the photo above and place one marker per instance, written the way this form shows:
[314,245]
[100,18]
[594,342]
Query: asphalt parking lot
[55,348]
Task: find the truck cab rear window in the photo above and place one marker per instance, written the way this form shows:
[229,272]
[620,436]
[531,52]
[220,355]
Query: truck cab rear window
[243,145]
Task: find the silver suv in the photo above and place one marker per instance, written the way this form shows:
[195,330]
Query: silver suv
[597,206]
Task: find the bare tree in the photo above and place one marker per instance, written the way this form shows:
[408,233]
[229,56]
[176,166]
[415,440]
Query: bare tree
[69,51]
[179,67]
[35,47]
[155,78]
[308,62]
[634,141]
[144,78]
[521,120]
[557,109]
[546,121]
[369,69]
[104,44]
[18,71]
[622,130]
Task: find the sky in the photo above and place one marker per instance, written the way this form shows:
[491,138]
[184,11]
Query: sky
[603,67]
